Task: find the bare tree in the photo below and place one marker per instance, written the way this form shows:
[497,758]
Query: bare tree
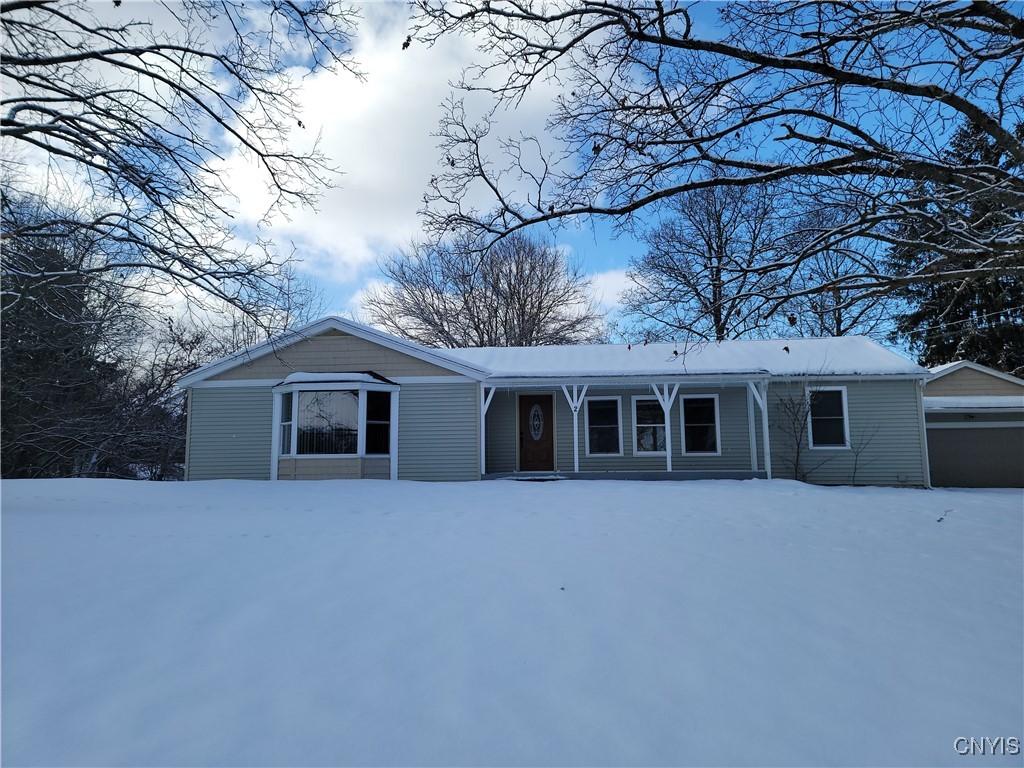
[520,292]
[834,97]
[698,277]
[833,312]
[134,107]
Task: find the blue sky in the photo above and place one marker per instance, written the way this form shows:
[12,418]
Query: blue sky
[378,134]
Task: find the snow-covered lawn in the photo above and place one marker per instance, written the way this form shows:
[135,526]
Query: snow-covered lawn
[333,623]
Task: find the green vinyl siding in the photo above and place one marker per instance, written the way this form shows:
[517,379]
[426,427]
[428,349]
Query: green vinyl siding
[438,431]
[886,440]
[229,433]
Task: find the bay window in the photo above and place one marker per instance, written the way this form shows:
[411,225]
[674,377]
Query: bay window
[328,422]
[378,422]
[336,420]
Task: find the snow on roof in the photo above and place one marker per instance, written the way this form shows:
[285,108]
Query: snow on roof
[848,355]
[300,377]
[974,402]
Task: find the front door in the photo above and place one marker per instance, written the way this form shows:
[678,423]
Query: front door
[536,433]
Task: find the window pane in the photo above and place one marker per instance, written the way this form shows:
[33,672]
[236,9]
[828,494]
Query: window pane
[328,422]
[827,404]
[603,413]
[699,410]
[378,406]
[701,438]
[286,407]
[604,439]
[377,438]
[649,439]
[828,431]
[286,438]
[649,412]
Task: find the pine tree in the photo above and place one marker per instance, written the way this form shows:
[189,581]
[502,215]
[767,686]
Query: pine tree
[978,319]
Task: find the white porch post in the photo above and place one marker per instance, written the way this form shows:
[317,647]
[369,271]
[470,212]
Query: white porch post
[393,437]
[486,395]
[575,400]
[275,435]
[752,430]
[666,399]
[760,393]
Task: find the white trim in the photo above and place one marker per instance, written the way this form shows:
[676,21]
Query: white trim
[218,383]
[846,419]
[718,424]
[575,401]
[666,397]
[453,379]
[923,435]
[759,391]
[332,386]
[636,451]
[294,450]
[393,436]
[627,381]
[275,435]
[350,327]
[361,423]
[485,403]
[752,431]
[586,425]
[360,388]
[974,425]
[939,371]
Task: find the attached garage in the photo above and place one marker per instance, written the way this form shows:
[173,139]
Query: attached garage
[975,422]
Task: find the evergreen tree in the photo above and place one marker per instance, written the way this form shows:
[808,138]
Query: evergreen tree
[979,319]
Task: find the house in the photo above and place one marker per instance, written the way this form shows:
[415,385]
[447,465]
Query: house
[975,421]
[338,399]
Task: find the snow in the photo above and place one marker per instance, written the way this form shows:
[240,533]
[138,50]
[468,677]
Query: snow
[574,623]
[848,355]
[310,378]
[973,402]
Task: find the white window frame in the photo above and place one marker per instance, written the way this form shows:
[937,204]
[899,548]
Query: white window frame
[360,388]
[682,423]
[846,419]
[586,424]
[636,451]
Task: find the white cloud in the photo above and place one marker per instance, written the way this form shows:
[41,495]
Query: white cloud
[608,287]
[378,133]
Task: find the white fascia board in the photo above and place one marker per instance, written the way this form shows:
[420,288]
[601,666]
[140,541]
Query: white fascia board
[633,380]
[328,323]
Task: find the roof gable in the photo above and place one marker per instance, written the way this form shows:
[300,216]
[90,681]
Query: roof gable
[964,377]
[326,328]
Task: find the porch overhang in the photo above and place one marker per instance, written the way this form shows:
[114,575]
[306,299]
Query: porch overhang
[631,380]
[665,388]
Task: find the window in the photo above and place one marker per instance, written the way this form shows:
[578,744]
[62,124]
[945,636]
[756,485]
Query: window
[286,423]
[603,427]
[828,424]
[378,422]
[700,425]
[648,426]
[334,420]
[328,422]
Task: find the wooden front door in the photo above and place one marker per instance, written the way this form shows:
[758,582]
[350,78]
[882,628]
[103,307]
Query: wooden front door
[536,433]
